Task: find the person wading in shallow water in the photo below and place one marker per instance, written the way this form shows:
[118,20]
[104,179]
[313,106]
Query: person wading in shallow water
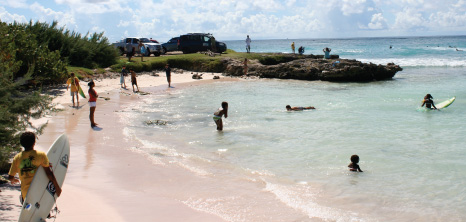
[428,102]
[218,115]
[92,103]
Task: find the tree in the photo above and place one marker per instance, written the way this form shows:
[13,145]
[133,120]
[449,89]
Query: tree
[17,103]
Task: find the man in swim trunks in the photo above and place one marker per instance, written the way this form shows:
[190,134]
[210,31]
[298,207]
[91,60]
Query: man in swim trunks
[298,108]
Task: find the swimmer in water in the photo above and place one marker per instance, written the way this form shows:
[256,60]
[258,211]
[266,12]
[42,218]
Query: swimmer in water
[428,102]
[298,108]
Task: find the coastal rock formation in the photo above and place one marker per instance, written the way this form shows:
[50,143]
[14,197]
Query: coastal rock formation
[316,68]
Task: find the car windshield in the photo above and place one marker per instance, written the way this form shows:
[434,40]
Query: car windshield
[145,40]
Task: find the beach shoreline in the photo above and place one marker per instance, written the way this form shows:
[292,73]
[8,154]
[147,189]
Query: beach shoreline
[100,157]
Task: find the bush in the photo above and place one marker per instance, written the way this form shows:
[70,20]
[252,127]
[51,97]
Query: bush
[275,59]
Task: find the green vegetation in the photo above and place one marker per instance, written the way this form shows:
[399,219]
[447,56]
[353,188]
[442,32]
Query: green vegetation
[34,55]
[17,102]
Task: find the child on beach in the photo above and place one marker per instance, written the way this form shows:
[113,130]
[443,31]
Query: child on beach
[298,108]
[92,103]
[27,163]
[74,82]
[218,115]
[353,166]
[428,102]
[124,73]
[133,80]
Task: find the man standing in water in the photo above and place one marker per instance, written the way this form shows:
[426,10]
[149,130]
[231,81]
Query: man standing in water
[292,47]
[248,44]
[168,71]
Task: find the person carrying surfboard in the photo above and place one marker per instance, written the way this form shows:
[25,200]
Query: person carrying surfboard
[428,102]
[26,163]
[74,82]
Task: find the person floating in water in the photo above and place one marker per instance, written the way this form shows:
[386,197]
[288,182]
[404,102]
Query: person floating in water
[428,102]
[298,108]
[218,115]
[353,166]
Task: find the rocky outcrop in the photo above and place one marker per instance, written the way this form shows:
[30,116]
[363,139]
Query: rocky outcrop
[316,68]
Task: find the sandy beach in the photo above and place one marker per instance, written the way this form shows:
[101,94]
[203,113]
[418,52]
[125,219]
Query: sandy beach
[106,180]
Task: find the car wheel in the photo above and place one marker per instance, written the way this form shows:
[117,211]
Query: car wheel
[156,53]
[185,50]
[164,50]
[147,52]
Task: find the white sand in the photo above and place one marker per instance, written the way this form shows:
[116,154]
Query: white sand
[106,181]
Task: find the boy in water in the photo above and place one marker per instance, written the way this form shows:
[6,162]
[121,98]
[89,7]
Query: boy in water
[218,115]
[428,102]
[27,163]
[133,80]
[298,108]
[353,166]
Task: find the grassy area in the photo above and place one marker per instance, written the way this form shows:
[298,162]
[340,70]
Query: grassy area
[192,62]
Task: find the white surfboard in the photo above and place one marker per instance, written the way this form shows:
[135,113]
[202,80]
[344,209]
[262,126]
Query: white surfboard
[41,194]
[445,103]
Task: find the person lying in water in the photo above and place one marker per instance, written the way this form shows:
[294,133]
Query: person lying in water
[428,102]
[298,108]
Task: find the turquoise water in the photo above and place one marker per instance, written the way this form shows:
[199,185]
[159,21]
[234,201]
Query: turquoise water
[413,159]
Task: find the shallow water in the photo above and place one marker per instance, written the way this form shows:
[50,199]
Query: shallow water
[412,158]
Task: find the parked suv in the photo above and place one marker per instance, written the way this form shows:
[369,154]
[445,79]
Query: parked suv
[151,47]
[171,45]
[197,42]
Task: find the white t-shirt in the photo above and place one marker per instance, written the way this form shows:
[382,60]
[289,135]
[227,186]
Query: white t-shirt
[248,41]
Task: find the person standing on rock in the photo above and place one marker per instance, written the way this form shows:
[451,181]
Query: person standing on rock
[292,47]
[248,44]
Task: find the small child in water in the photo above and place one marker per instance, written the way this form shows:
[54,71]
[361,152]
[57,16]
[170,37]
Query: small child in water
[218,115]
[296,108]
[353,166]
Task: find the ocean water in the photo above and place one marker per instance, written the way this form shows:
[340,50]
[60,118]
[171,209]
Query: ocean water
[413,159]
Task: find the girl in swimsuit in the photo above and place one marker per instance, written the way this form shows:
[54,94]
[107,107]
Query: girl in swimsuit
[218,115]
[354,166]
[428,102]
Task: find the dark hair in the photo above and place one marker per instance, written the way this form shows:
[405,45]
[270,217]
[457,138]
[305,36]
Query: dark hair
[72,74]
[288,106]
[428,96]
[355,158]
[224,105]
[91,83]
[27,140]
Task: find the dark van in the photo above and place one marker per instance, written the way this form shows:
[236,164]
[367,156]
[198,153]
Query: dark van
[199,42]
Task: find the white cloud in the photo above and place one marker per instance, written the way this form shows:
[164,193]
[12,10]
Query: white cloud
[9,18]
[377,22]
[48,15]
[409,19]
[14,3]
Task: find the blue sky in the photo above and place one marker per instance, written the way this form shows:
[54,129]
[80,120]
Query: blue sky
[231,20]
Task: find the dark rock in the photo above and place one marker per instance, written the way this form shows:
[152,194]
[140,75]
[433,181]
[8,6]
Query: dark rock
[314,67]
